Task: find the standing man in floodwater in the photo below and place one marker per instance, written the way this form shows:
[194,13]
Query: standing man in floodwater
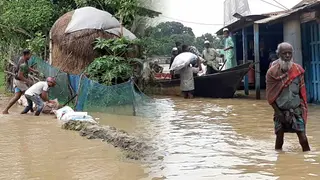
[286,93]
[229,53]
[21,81]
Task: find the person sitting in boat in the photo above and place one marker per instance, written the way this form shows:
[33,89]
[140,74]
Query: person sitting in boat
[179,47]
[192,49]
[272,58]
[186,77]
[156,67]
[38,93]
[210,55]
[174,54]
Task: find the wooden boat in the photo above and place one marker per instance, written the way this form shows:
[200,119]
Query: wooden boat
[220,85]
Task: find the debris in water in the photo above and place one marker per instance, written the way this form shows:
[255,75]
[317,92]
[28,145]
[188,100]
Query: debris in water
[136,149]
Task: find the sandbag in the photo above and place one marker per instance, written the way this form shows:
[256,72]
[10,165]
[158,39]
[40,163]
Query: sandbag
[23,101]
[77,116]
[61,112]
[204,70]
[183,60]
[91,18]
[50,107]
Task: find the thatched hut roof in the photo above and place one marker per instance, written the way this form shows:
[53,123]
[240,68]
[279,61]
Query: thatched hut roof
[73,52]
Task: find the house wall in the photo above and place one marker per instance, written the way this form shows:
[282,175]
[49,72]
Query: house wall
[311,53]
[292,35]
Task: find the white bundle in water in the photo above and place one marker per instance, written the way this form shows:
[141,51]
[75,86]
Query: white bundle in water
[183,60]
[66,114]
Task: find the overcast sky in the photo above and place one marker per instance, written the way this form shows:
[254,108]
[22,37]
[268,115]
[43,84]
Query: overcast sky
[209,12]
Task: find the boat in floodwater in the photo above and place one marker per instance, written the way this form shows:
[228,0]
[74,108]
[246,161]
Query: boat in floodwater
[219,85]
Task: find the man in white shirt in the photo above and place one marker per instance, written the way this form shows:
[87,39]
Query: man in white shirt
[186,73]
[38,93]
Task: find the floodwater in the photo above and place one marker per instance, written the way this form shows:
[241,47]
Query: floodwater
[195,139]
[37,148]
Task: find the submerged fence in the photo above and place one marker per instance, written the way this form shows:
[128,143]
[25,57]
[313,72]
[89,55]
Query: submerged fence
[89,95]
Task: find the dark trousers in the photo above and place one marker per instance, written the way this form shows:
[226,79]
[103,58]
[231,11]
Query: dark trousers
[210,70]
[37,100]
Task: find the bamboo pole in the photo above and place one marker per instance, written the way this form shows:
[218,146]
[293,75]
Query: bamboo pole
[121,26]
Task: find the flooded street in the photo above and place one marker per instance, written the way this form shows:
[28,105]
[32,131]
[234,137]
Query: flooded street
[222,139]
[195,139]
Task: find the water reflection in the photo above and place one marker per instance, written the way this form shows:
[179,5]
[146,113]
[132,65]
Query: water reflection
[195,139]
[37,148]
[225,139]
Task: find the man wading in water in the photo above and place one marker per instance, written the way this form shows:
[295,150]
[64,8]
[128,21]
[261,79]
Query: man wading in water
[20,81]
[286,93]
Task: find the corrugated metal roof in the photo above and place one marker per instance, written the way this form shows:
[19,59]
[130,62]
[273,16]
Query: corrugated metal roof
[272,18]
[239,23]
[286,14]
[304,2]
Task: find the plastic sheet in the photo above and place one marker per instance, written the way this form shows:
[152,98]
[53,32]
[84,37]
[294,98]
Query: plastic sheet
[126,33]
[91,18]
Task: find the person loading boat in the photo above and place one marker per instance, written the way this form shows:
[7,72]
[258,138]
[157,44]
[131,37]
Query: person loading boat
[210,56]
[21,81]
[186,73]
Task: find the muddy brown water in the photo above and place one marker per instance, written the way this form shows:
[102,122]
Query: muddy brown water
[195,139]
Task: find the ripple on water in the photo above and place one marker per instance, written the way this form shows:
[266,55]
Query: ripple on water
[224,139]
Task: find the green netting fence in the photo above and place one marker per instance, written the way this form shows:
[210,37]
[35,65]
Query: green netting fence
[91,96]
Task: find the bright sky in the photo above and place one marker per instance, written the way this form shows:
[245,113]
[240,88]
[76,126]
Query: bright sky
[209,12]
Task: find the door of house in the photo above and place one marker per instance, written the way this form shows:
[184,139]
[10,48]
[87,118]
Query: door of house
[311,59]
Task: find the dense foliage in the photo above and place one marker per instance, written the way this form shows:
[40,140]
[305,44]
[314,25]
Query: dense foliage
[115,66]
[27,23]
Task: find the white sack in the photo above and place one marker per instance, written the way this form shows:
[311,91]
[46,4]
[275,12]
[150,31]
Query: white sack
[204,70]
[183,60]
[61,112]
[91,18]
[50,107]
[23,101]
[126,33]
[77,116]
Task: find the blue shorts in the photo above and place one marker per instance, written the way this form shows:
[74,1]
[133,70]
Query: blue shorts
[16,90]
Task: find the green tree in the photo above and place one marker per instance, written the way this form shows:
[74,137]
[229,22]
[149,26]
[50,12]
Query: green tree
[166,29]
[214,40]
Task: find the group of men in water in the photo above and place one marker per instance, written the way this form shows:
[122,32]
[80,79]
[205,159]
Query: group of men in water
[35,93]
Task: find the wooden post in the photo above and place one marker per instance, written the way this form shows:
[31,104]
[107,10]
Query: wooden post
[50,47]
[257,59]
[121,26]
[245,59]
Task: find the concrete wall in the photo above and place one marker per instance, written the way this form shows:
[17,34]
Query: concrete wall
[292,35]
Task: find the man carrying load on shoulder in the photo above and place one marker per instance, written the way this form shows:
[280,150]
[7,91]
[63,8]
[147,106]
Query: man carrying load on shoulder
[21,81]
[186,72]
[38,93]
